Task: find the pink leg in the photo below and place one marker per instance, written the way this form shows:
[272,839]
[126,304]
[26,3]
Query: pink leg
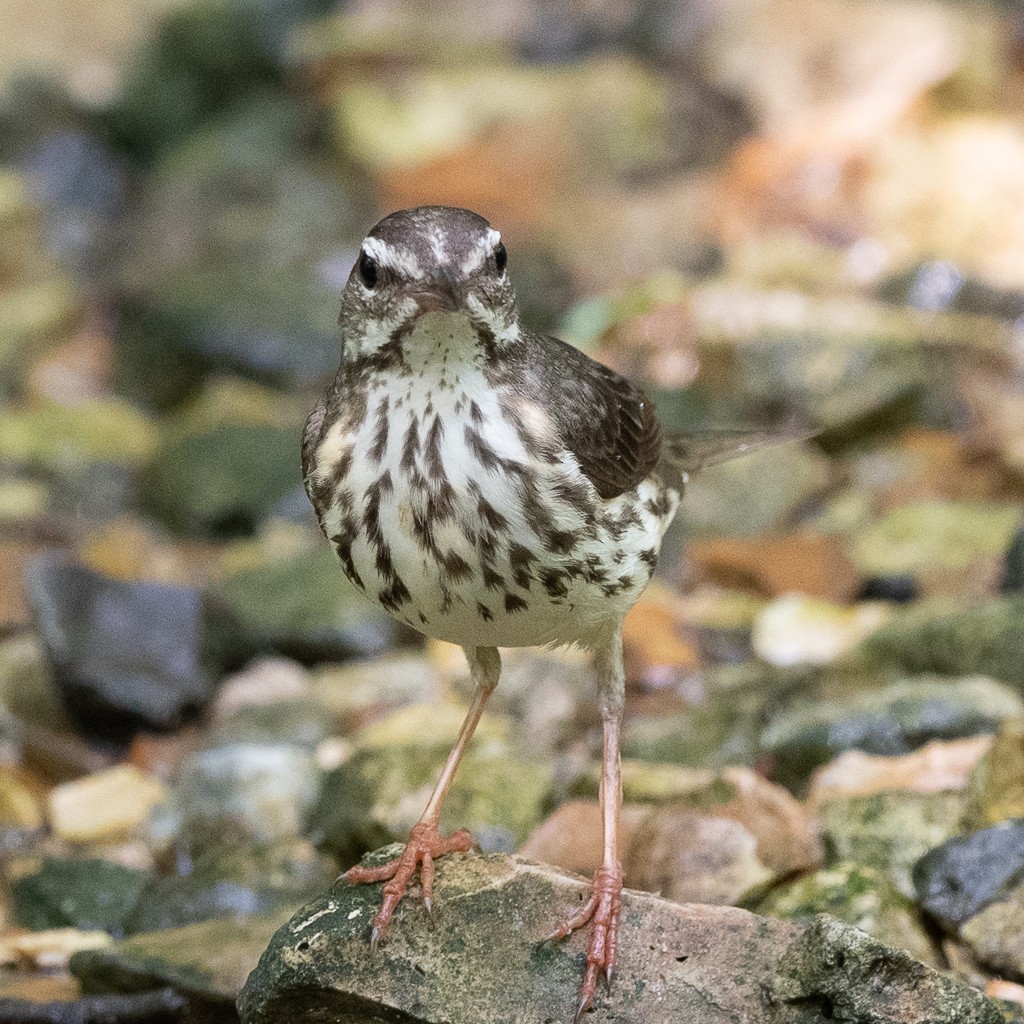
[426,843]
[603,909]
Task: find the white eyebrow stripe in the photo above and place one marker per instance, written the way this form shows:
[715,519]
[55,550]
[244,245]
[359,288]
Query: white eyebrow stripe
[484,247]
[398,259]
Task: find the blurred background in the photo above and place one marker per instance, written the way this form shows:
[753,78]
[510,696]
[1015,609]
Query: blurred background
[766,211]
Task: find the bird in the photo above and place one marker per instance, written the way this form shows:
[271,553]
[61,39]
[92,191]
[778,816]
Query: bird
[493,487]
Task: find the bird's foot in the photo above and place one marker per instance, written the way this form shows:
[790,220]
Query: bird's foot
[425,845]
[602,912]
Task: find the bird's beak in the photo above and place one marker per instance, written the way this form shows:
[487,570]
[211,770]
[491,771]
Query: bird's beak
[443,295]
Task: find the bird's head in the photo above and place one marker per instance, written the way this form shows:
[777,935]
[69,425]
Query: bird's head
[432,259]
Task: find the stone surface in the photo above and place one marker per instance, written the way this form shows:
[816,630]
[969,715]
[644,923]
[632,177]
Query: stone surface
[302,606]
[126,655]
[961,877]
[997,782]
[798,630]
[49,950]
[926,538]
[300,722]
[772,565]
[90,895]
[378,794]
[234,883]
[986,639]
[754,495]
[936,767]
[895,719]
[996,934]
[890,831]
[241,792]
[722,840]
[107,806]
[222,481]
[571,836]
[859,896]
[715,965]
[361,692]
[687,856]
[209,961]
[163,1006]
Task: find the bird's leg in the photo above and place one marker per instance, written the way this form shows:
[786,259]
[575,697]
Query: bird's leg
[426,843]
[603,909]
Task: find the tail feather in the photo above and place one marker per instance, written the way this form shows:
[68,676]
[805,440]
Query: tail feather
[696,450]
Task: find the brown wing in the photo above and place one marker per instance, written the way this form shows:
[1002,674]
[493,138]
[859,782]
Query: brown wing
[606,422]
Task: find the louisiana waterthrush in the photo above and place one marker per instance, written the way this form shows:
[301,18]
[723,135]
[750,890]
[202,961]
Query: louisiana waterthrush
[493,487]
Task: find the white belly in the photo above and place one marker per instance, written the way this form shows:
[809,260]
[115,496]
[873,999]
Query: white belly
[457,524]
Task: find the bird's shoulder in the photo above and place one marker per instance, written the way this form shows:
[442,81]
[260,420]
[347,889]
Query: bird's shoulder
[607,423]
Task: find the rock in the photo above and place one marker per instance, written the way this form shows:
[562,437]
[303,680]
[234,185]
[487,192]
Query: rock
[49,950]
[799,630]
[893,720]
[997,783]
[379,793]
[654,782]
[266,681]
[208,962]
[896,589]
[26,682]
[985,639]
[688,857]
[237,283]
[965,874]
[164,1006]
[161,754]
[571,836]
[721,728]
[708,964]
[241,792]
[859,896]
[936,767]
[234,883]
[934,538]
[21,808]
[302,606]
[68,439]
[221,481]
[754,495]
[773,565]
[126,655]
[1013,565]
[359,693]
[653,647]
[302,722]
[996,936]
[89,895]
[691,850]
[890,831]
[107,806]
[542,692]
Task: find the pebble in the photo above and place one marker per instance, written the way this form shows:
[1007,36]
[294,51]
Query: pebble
[126,655]
[965,874]
[104,807]
[800,630]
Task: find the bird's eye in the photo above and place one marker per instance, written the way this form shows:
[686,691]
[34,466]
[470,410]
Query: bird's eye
[368,270]
[500,257]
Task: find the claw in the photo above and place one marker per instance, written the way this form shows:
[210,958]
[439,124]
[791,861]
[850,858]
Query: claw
[428,906]
[375,937]
[606,978]
[580,1010]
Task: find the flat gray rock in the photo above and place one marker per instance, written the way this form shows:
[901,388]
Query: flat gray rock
[207,961]
[482,962]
